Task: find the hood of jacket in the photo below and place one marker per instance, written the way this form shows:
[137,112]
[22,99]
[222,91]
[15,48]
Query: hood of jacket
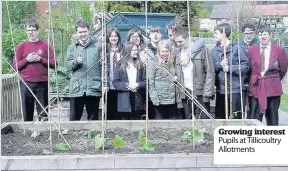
[197,45]
[90,41]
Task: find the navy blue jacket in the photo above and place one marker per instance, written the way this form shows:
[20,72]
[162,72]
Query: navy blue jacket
[245,47]
[120,82]
[218,55]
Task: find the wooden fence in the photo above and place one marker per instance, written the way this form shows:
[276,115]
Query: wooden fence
[10,105]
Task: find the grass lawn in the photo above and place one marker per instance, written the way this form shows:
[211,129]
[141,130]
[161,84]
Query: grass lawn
[284,103]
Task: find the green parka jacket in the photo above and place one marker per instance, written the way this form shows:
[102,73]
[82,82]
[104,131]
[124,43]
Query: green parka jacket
[83,80]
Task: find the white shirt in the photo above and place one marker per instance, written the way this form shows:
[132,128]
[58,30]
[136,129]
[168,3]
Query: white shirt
[187,69]
[85,41]
[132,73]
[111,73]
[227,43]
[187,73]
[267,57]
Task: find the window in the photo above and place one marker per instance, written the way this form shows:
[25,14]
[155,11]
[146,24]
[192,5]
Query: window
[54,3]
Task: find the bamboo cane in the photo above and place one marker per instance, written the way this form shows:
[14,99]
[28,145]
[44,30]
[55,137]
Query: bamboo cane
[103,78]
[147,84]
[192,91]
[17,72]
[226,79]
[48,56]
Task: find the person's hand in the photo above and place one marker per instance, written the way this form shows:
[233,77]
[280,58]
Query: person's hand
[132,87]
[224,62]
[79,60]
[225,68]
[174,79]
[184,61]
[157,104]
[36,57]
[30,57]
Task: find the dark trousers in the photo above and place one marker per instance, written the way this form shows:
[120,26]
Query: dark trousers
[77,106]
[165,111]
[40,90]
[111,104]
[271,113]
[151,110]
[187,108]
[134,114]
[236,105]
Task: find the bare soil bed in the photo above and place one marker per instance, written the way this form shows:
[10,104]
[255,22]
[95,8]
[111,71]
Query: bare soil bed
[167,141]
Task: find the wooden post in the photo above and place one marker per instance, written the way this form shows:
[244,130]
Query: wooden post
[10,98]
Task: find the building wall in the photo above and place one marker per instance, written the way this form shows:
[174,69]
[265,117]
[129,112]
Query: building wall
[43,6]
[204,24]
[153,19]
[138,20]
[213,23]
[285,20]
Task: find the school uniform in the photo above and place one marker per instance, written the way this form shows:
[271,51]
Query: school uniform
[129,104]
[162,90]
[113,58]
[245,47]
[233,79]
[35,75]
[269,66]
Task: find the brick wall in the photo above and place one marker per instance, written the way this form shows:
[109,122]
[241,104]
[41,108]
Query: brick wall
[43,6]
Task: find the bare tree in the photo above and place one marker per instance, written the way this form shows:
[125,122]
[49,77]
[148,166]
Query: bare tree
[246,11]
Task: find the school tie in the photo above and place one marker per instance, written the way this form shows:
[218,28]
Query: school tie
[262,60]
[114,60]
[222,55]
[247,48]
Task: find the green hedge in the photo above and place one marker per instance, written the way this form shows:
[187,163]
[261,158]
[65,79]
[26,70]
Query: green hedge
[5,67]
[202,34]
[236,36]
[19,35]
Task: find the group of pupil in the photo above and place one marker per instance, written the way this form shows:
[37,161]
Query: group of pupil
[179,69]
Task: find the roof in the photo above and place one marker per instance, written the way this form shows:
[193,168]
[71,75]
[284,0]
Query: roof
[276,9]
[148,14]
[221,12]
[125,21]
[224,11]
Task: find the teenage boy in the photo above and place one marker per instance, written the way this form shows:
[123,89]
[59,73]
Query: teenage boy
[31,60]
[225,66]
[269,66]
